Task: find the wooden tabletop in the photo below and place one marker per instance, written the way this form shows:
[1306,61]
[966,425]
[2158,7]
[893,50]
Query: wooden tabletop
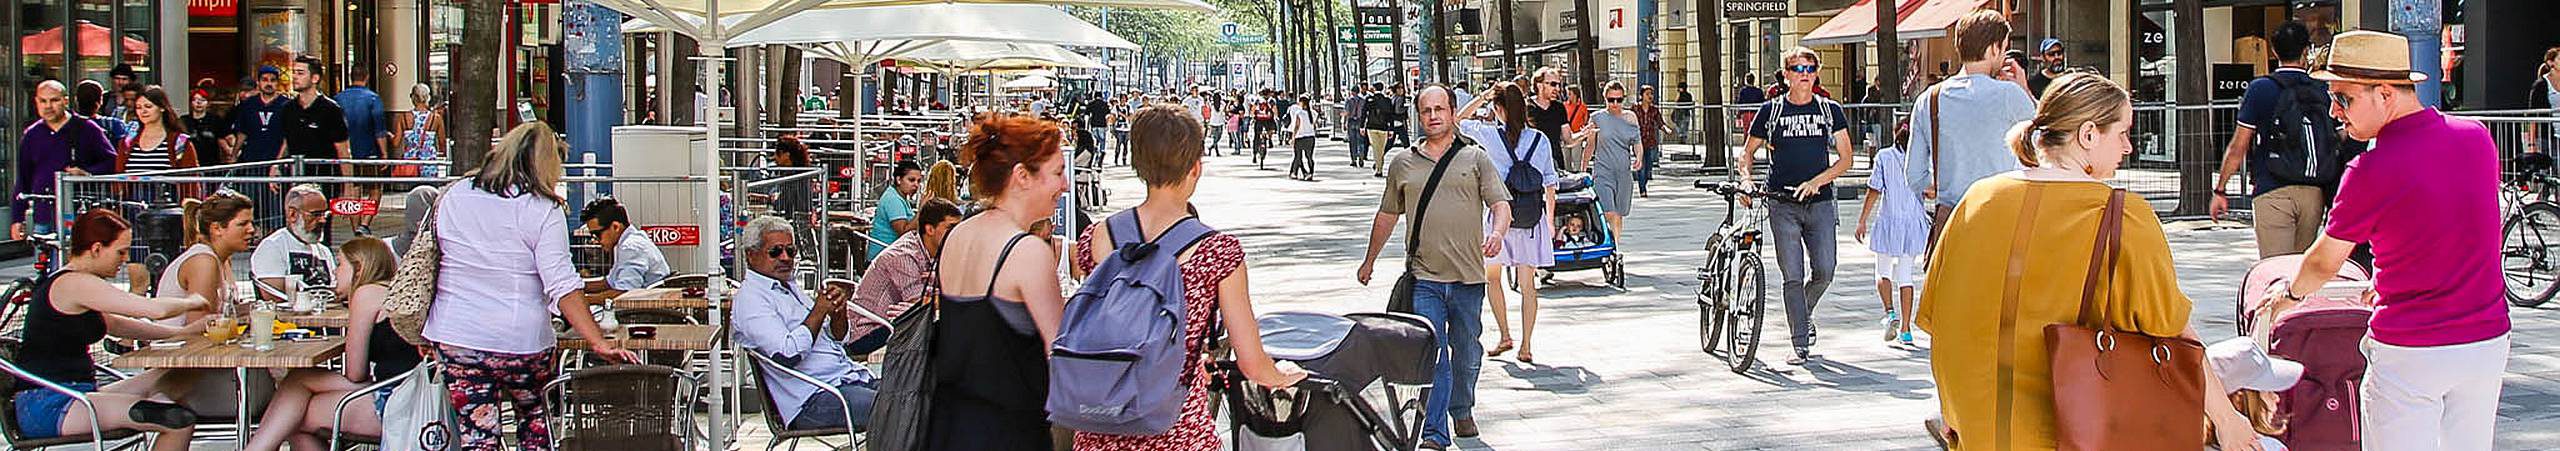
[671,337]
[334,318]
[659,298]
[201,353]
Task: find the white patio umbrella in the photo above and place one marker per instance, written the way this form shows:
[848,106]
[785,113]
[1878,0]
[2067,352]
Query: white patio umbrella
[714,35]
[1031,82]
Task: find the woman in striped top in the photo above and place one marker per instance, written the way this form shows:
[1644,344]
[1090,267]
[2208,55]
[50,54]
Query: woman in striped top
[161,143]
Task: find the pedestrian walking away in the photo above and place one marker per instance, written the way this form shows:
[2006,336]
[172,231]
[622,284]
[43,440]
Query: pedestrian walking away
[2292,147]
[1302,141]
[1808,140]
[2426,198]
[1449,189]
[1519,154]
[1968,116]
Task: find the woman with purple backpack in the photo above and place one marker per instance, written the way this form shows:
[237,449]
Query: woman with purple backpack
[1167,144]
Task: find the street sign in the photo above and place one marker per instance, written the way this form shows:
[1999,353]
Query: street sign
[1754,9]
[673,235]
[349,206]
[1368,34]
[1377,15]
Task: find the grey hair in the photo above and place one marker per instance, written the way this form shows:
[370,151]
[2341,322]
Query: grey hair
[55,85]
[304,190]
[751,237]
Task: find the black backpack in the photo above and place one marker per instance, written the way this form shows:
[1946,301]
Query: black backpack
[1528,188]
[2300,143]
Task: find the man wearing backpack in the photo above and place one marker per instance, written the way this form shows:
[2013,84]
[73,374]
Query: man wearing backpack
[1803,132]
[2292,147]
[1451,190]
[1384,112]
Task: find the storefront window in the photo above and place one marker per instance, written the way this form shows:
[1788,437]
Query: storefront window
[135,27]
[277,34]
[443,36]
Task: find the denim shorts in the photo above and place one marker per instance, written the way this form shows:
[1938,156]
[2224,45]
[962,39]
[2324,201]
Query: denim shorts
[40,411]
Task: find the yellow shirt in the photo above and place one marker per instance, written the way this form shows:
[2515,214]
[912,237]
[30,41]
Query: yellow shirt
[1994,381]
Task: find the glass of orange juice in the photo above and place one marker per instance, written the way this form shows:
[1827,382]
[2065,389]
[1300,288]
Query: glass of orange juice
[222,330]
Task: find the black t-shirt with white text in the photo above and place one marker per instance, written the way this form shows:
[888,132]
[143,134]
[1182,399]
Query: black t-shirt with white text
[1800,144]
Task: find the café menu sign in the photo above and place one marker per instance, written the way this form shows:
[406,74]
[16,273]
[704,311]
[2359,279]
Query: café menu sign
[1754,9]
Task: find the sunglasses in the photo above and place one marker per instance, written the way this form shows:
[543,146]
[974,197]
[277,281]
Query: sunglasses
[781,251]
[1804,68]
[1552,83]
[1617,99]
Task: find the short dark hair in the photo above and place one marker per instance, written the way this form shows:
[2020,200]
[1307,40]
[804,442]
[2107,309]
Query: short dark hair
[309,62]
[935,211]
[904,167]
[1977,31]
[1166,141]
[605,213]
[121,70]
[2290,40]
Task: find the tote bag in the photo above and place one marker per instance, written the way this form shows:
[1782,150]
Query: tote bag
[419,414]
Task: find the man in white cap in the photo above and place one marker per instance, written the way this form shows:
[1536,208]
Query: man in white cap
[2426,197]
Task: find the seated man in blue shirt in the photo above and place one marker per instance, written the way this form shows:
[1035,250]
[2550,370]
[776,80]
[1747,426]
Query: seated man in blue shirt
[777,319]
[637,263]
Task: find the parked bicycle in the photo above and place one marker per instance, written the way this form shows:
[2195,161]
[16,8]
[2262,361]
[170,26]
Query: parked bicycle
[2531,199]
[1733,293]
[47,248]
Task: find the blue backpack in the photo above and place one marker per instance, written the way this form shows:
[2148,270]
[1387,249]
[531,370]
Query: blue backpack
[1118,364]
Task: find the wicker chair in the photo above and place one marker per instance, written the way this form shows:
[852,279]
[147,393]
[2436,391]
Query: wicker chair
[623,407]
[783,433]
[99,438]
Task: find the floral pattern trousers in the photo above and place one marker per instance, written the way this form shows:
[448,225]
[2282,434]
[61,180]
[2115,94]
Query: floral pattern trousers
[480,382]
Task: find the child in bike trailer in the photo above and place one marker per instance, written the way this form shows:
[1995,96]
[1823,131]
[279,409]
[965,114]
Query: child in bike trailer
[1899,236]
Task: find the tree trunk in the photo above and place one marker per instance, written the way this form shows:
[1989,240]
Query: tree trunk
[2195,179]
[681,109]
[1511,38]
[1439,41]
[475,112]
[1583,44]
[1273,46]
[788,92]
[1332,46]
[1888,55]
[1710,44]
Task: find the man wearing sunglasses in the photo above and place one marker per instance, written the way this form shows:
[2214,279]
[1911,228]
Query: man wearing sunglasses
[777,317]
[2426,197]
[297,250]
[1808,140]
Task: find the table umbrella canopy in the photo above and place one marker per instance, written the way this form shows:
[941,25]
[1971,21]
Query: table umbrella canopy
[978,55]
[728,7]
[934,22]
[94,41]
[1031,82]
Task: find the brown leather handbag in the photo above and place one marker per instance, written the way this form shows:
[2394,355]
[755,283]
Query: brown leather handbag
[2118,389]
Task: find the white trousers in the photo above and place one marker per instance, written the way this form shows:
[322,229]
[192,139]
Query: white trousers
[2432,398]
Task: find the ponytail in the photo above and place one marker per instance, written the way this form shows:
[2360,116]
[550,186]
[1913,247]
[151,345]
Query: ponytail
[2019,144]
[201,215]
[187,221]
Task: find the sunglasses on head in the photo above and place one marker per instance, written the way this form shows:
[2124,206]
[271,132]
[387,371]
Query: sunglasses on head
[1804,68]
[781,251]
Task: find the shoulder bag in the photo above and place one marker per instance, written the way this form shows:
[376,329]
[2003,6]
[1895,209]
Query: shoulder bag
[413,288]
[2119,389]
[1401,300]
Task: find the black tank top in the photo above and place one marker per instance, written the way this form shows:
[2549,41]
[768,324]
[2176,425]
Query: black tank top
[390,354]
[57,345]
[977,356]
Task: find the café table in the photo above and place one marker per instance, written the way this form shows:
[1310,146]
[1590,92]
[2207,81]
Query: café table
[670,337]
[205,354]
[658,298]
[333,318]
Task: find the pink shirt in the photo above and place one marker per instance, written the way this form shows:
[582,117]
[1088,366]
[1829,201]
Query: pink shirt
[2426,198]
[506,265]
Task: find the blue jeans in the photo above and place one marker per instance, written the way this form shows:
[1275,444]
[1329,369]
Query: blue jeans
[823,411]
[1456,312]
[1359,145]
[1808,236]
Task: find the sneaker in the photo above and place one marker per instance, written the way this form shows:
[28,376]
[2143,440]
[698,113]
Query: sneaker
[1906,341]
[1891,323]
[1801,356]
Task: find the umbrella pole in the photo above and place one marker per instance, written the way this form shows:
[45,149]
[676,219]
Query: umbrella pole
[714,46]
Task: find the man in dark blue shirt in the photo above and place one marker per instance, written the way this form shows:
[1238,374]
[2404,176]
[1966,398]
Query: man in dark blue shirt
[1802,130]
[258,120]
[366,137]
[2283,117]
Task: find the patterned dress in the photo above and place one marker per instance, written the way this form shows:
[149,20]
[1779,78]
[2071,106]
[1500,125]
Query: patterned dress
[422,144]
[1211,261]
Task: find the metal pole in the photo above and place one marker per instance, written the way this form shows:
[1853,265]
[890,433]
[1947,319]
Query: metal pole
[2423,22]
[714,43]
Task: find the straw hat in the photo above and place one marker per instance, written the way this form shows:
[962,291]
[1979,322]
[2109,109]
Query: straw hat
[2369,57]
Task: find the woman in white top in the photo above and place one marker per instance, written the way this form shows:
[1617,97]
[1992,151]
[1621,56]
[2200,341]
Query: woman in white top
[216,229]
[506,271]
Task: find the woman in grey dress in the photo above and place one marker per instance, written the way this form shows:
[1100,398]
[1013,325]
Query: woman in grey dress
[1614,136]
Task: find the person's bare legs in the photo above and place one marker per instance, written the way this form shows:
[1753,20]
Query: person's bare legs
[1493,295]
[360,419]
[1884,295]
[115,407]
[1527,275]
[293,397]
[1617,226]
[1909,295]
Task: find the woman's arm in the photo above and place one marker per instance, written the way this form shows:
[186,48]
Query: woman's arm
[128,327]
[1036,284]
[91,293]
[362,313]
[1244,334]
[2231,430]
[1867,211]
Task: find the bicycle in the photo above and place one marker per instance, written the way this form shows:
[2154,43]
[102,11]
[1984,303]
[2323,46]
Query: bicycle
[22,291]
[1733,293]
[2531,200]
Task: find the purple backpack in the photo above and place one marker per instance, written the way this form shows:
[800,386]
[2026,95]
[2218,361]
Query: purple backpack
[1117,365]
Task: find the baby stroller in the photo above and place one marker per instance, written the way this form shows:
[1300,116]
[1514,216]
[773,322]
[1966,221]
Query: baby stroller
[1331,409]
[1582,234]
[2323,333]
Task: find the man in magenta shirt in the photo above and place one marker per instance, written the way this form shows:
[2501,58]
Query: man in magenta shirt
[2426,198]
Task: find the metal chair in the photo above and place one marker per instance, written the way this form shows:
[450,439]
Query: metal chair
[623,407]
[99,437]
[337,420]
[783,433]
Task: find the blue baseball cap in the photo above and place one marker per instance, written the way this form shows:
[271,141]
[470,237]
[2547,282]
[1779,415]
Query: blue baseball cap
[267,70]
[2050,44]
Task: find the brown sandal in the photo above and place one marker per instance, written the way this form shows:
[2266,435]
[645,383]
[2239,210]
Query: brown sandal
[1498,349]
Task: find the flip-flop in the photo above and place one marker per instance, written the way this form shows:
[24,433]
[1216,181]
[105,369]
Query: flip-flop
[1498,349]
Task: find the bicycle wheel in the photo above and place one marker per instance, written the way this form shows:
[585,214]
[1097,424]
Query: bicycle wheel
[2532,274]
[1749,299]
[1710,305]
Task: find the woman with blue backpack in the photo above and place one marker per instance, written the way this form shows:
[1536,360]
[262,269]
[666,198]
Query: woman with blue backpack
[1527,162]
[1158,244]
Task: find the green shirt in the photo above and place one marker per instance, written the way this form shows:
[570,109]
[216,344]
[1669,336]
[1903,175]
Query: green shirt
[893,208]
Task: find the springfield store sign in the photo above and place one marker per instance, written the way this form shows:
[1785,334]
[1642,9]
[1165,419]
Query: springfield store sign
[1752,9]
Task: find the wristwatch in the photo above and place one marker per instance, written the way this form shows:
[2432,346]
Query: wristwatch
[2286,293]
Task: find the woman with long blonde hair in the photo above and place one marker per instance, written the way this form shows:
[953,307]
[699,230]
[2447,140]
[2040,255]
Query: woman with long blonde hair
[307,400]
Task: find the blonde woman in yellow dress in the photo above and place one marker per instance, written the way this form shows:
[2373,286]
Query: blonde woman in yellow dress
[1993,373]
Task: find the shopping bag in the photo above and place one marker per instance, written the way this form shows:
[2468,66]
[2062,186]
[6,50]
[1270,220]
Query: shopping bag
[419,415]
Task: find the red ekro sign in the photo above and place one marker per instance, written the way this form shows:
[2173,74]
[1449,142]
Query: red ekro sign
[348,206]
[673,235]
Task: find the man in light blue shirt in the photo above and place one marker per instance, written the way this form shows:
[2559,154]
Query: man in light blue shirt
[1970,115]
[637,263]
[777,319]
[896,213]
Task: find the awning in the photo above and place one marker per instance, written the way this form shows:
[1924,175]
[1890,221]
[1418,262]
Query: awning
[1531,49]
[1919,19]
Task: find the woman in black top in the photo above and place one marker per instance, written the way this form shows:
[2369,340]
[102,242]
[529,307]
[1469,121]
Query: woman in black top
[207,130]
[307,397]
[1000,301]
[76,308]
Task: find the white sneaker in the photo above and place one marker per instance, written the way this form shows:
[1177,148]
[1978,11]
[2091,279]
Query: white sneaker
[1892,325]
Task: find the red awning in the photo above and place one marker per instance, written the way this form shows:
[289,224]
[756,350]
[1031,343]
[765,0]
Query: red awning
[93,42]
[1918,19]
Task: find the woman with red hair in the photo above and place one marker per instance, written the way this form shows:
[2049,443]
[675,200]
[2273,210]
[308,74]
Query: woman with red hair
[1000,302]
